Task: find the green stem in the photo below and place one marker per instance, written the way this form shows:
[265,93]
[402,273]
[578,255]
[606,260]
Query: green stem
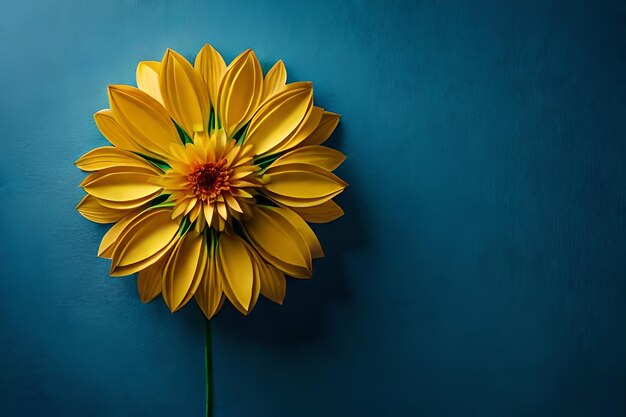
[209,369]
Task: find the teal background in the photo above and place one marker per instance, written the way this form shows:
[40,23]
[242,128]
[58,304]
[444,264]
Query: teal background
[479,270]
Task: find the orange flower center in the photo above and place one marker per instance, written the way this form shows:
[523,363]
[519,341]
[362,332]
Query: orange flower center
[209,179]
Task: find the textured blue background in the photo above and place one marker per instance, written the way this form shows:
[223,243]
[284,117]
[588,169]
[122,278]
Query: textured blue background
[480,269]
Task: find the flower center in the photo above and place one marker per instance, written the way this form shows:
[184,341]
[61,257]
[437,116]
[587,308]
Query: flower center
[209,179]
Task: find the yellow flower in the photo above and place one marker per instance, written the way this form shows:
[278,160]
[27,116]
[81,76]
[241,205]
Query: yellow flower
[213,175]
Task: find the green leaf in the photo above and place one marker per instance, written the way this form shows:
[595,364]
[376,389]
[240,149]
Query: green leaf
[156,162]
[164,204]
[185,225]
[266,161]
[184,137]
[240,136]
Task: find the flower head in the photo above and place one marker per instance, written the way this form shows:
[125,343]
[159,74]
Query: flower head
[211,180]
[213,175]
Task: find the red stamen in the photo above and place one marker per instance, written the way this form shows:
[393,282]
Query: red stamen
[209,179]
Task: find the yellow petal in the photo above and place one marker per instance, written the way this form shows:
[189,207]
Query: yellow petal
[306,127]
[116,169]
[195,212]
[121,185]
[91,209]
[209,293]
[258,266]
[211,66]
[184,93]
[288,269]
[110,157]
[114,133]
[148,79]
[278,118]
[323,131]
[240,92]
[274,80]
[303,181]
[323,213]
[235,268]
[273,284]
[222,210]
[209,209]
[144,238]
[143,118]
[119,271]
[111,237]
[305,231]
[221,223]
[184,270]
[149,281]
[320,156]
[300,202]
[232,203]
[278,241]
[128,204]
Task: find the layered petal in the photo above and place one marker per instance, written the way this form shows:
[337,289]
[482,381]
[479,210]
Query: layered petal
[148,79]
[112,157]
[324,129]
[294,203]
[144,119]
[258,265]
[275,80]
[304,129]
[236,269]
[278,242]
[121,184]
[184,270]
[320,156]
[111,237]
[116,135]
[184,93]
[211,66]
[91,209]
[273,284]
[279,117]
[129,204]
[322,213]
[144,241]
[209,293]
[304,229]
[149,281]
[303,181]
[240,92]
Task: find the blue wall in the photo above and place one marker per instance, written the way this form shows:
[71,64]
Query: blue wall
[480,269]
